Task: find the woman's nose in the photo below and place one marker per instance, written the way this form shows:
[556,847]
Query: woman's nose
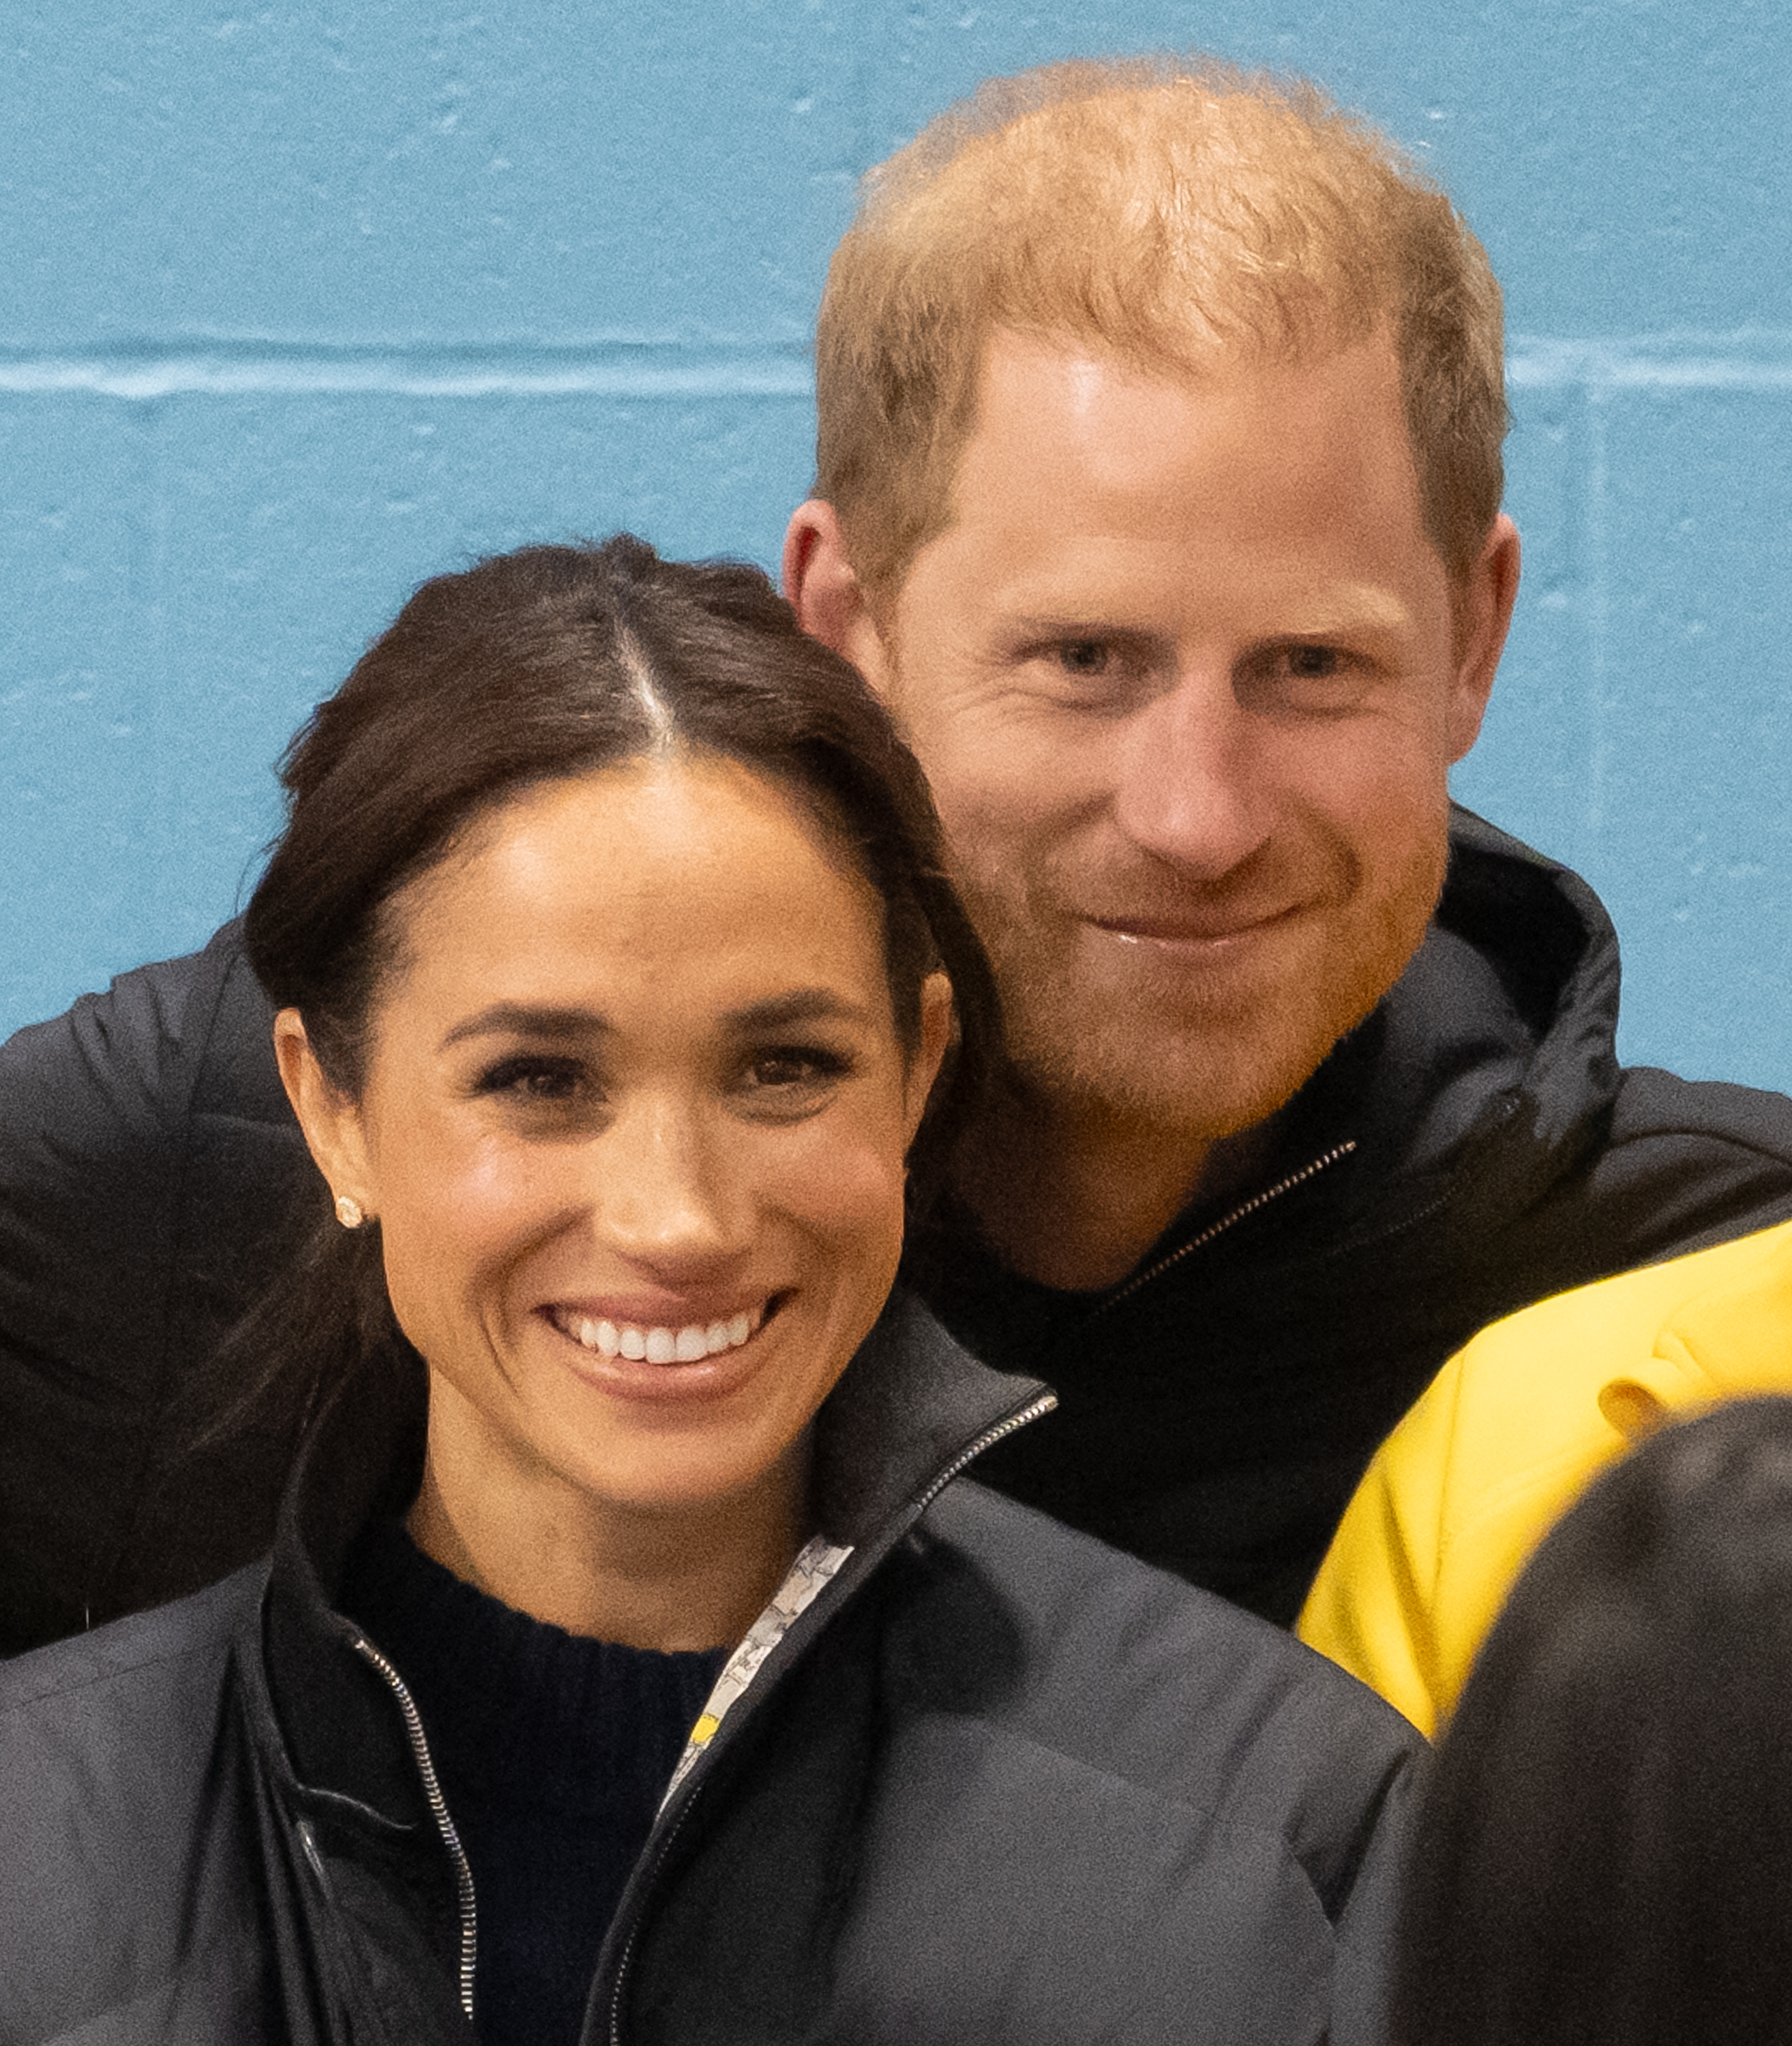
[663,1192]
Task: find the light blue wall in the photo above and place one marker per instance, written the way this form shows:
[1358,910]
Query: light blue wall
[301,303]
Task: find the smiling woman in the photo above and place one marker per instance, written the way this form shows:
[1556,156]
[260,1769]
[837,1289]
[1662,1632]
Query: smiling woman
[632,1127]
[628,1664]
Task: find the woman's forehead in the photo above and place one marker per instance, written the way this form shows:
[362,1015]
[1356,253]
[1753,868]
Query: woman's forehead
[691,871]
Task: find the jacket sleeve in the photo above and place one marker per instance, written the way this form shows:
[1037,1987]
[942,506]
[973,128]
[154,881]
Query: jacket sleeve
[1368,1931]
[146,1156]
[1505,1440]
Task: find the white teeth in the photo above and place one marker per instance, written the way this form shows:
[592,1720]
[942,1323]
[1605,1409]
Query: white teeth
[665,1345]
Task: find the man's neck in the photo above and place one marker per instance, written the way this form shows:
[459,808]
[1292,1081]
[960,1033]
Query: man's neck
[1074,1196]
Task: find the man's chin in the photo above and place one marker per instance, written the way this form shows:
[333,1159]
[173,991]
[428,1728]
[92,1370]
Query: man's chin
[1201,1078]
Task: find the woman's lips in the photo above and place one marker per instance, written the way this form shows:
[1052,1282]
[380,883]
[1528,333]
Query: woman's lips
[659,1342]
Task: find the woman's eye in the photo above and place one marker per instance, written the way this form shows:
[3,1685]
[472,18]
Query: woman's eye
[795,1067]
[534,1079]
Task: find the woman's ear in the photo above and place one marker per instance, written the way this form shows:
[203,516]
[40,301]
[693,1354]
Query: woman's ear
[331,1122]
[930,1051]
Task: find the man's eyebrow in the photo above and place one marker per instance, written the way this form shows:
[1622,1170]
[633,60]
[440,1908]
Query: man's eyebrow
[527,1019]
[1072,625]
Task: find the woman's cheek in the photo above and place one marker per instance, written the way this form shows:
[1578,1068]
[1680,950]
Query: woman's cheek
[843,1180]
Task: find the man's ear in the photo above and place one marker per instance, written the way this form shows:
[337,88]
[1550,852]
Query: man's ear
[331,1122]
[1483,617]
[829,600]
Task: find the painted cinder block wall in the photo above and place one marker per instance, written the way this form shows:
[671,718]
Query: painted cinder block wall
[301,303]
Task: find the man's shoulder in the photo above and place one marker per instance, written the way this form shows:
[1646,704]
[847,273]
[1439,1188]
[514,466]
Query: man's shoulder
[1186,1696]
[154,1045]
[1618,1166]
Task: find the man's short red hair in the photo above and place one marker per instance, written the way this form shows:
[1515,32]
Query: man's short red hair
[1163,209]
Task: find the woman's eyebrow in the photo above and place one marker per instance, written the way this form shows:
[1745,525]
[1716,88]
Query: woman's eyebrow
[525,1019]
[801,1005]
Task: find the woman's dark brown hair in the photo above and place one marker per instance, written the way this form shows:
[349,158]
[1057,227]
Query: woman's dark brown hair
[528,668]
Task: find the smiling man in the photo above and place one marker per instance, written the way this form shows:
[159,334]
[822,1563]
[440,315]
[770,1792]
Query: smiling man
[1159,486]
[1158,490]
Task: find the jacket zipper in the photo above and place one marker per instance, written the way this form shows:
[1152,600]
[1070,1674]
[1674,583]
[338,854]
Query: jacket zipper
[438,1807]
[988,1440]
[1237,1215]
[1031,1411]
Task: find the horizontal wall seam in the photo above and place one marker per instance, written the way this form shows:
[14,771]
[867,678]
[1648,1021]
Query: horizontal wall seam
[1691,362]
[606,371]
[654,370]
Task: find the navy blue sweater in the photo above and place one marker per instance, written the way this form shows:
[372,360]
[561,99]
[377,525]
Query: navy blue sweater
[553,1751]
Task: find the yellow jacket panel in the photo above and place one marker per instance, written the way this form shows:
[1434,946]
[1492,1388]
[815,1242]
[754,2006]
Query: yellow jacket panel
[1508,1435]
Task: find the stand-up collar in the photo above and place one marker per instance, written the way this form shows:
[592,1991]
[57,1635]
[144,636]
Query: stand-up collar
[908,1407]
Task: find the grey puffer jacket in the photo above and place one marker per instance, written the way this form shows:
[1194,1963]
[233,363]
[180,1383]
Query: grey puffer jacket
[991,1782]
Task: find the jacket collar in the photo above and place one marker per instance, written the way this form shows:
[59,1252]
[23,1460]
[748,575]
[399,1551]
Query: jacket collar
[1484,1073]
[910,1407]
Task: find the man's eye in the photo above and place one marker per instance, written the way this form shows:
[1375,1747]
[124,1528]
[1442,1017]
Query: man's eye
[1083,657]
[1313,663]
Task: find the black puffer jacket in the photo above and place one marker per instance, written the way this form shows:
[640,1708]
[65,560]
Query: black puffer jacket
[994,1783]
[1477,1147]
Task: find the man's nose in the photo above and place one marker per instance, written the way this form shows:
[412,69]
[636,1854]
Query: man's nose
[1192,783]
[663,1192]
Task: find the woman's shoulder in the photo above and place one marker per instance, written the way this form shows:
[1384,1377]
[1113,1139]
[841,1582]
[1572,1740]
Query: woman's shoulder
[179,1647]
[1143,1677]
[121,1703]
[119,1822]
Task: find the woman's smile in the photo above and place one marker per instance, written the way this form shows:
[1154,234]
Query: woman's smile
[663,1361]
[658,1342]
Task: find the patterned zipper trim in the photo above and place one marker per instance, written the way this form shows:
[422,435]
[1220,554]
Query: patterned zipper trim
[803,1584]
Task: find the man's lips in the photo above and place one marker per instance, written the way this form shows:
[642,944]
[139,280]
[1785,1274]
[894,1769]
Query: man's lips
[1193,930]
[673,1341]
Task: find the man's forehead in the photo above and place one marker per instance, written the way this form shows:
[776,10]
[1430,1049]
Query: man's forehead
[1080,443]
[1241,495]
[1076,367]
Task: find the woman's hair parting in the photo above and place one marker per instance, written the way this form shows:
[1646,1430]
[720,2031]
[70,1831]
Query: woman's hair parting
[531,667]
[1605,1854]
